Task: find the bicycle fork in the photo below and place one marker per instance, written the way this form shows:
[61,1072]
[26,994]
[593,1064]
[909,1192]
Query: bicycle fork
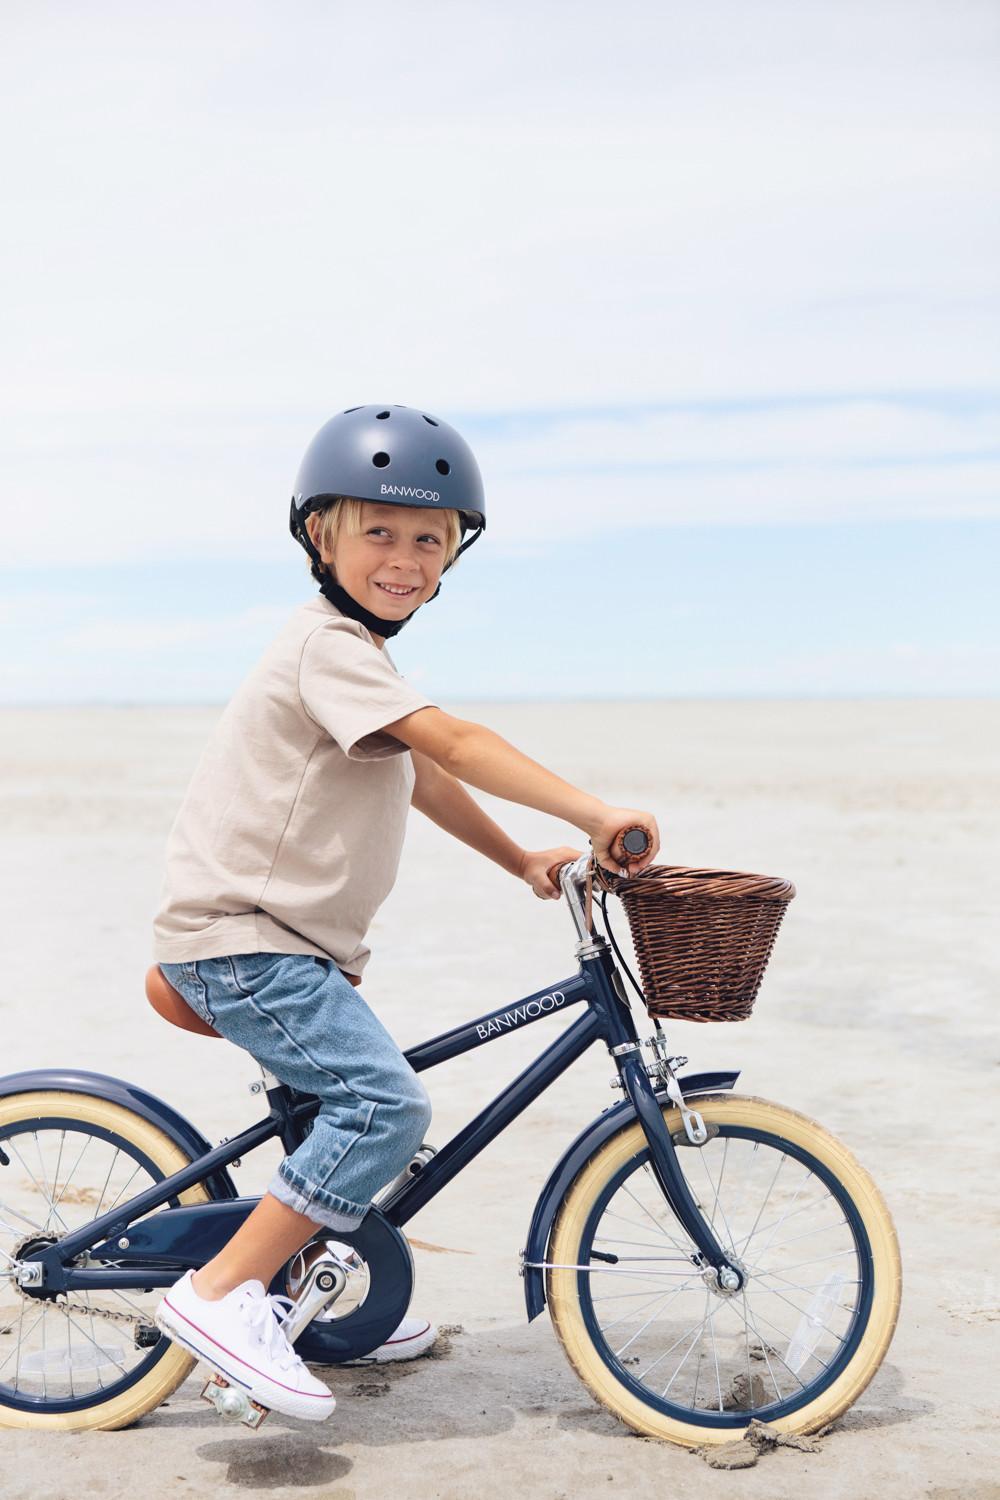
[710,1257]
[594,953]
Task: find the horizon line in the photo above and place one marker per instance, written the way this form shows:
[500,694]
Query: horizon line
[850,695]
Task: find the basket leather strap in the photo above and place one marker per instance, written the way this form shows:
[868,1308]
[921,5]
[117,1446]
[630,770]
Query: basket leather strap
[594,872]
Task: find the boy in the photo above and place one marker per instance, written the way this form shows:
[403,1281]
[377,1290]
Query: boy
[288,841]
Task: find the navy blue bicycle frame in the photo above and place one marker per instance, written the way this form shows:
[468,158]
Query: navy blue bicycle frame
[607,1018]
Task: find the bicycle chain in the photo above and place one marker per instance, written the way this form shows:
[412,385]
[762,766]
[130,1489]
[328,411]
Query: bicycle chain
[132,1319]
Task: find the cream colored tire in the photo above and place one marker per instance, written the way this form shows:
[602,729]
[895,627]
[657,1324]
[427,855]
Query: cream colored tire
[176,1364]
[564,1249]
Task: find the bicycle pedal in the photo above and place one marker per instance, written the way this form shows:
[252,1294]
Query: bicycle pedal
[232,1403]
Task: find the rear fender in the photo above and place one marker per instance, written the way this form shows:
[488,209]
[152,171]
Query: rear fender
[78,1081]
[590,1139]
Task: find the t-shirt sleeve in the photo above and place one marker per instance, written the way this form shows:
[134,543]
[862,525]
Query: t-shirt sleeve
[349,687]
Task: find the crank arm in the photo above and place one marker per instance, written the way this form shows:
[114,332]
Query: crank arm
[322,1284]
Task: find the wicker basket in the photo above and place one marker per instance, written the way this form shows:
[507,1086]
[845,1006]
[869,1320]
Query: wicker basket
[702,937]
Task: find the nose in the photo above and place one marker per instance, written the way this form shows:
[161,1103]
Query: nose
[404,559]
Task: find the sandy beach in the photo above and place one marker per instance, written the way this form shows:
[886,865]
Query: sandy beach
[877,1016]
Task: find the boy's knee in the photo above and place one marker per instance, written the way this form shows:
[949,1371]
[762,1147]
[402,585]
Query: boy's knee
[418,1109]
[413,1113]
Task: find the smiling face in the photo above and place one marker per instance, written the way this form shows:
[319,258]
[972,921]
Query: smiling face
[395,563]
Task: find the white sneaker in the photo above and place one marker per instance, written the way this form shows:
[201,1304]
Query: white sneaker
[241,1336]
[413,1336]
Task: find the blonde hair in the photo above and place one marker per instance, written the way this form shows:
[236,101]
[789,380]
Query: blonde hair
[348,513]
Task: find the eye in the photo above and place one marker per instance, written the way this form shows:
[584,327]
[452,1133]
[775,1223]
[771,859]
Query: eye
[428,536]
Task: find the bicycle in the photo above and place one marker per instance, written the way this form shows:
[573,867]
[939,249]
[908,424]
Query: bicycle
[706,1258]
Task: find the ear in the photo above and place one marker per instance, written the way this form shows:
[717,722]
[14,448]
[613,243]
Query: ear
[312,526]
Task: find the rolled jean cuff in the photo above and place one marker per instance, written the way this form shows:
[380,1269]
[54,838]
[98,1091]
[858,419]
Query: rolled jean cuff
[331,1211]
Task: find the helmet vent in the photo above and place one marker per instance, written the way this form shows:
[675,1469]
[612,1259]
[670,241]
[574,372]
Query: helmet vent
[443,466]
[430,420]
[380,460]
[381,415]
[349,409]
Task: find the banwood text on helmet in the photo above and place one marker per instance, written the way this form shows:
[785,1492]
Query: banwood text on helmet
[393,455]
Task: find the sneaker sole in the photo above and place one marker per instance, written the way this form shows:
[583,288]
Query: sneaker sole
[406,1349]
[276,1397]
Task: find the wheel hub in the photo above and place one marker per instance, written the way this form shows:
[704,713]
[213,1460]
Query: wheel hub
[710,1276]
[22,1251]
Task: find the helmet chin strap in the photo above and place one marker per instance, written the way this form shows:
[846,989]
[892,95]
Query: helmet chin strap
[349,606]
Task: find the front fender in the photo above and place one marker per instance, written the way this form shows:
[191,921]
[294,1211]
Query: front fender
[78,1081]
[577,1153]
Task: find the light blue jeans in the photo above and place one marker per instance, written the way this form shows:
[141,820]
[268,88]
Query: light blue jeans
[300,1018]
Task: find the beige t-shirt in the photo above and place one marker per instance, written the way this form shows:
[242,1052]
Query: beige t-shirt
[289,835]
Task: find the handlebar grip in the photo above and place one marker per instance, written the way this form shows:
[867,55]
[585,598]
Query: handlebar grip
[634,840]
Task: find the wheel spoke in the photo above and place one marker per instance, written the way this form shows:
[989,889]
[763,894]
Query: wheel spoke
[611,1213]
[631,1314]
[773,1292]
[715,1355]
[72,1173]
[748,1322]
[655,1222]
[9,1209]
[55,1174]
[117,1292]
[698,1330]
[798,1286]
[807,1232]
[752,1319]
[41,1172]
[101,1349]
[716,1189]
[104,1188]
[694,1329]
[122,1189]
[767,1196]
[43,1191]
[790,1212]
[802,1209]
[616,1296]
[93,1338]
[610,1239]
[16,1351]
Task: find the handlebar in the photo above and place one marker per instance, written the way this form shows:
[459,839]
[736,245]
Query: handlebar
[633,840]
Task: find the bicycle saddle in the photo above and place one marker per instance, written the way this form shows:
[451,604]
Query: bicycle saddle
[171,1005]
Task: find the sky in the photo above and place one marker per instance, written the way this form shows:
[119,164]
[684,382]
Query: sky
[711,290]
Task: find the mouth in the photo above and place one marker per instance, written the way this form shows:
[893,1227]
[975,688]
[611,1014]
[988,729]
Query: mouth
[394,591]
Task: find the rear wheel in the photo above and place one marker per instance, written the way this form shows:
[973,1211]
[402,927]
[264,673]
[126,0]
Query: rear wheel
[79,1361]
[651,1334]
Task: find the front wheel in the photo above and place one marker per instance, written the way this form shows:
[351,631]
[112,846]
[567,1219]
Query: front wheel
[650,1333]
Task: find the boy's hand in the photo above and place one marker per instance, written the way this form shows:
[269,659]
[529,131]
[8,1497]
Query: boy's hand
[604,838]
[536,863]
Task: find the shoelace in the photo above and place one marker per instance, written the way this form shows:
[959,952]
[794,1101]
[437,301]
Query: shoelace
[265,1318]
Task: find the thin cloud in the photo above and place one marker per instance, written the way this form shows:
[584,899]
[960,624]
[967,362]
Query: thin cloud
[223,493]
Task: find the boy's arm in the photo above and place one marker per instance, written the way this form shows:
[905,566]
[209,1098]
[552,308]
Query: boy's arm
[473,753]
[438,795]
